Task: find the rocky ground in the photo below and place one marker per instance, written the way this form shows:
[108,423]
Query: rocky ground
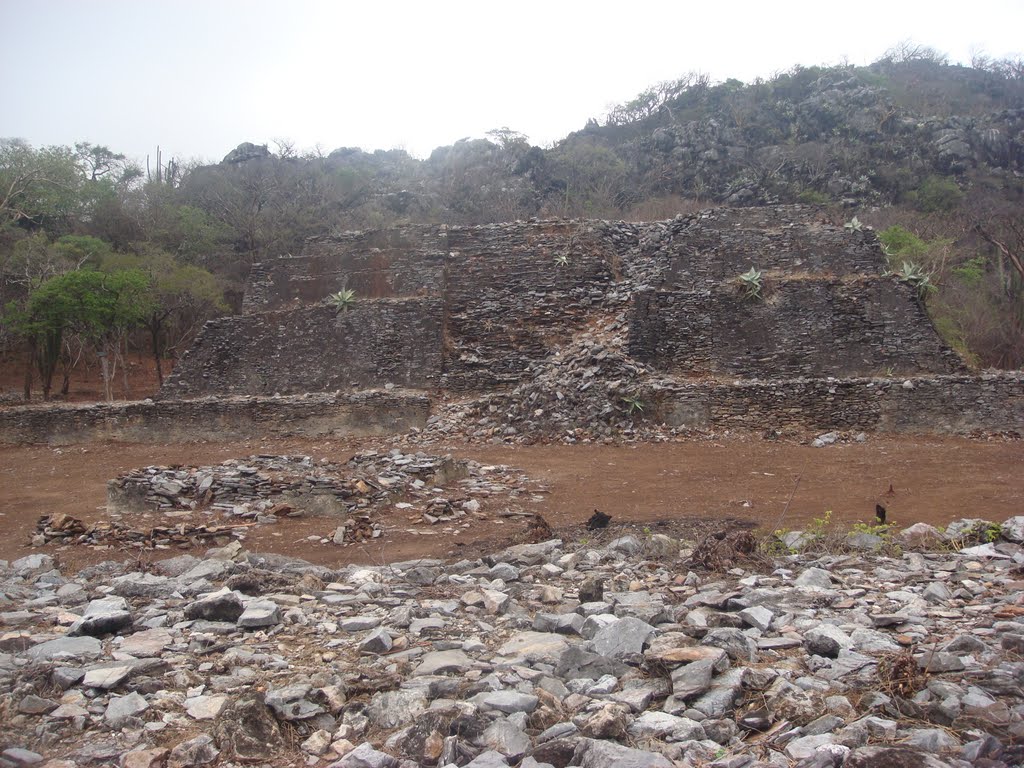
[634,652]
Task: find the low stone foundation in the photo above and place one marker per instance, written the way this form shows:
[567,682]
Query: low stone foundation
[954,404]
[350,414]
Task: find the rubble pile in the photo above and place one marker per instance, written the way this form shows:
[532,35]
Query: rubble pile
[423,489]
[65,529]
[588,390]
[244,488]
[543,654]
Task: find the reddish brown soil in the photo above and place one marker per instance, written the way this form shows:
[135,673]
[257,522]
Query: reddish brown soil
[86,383]
[933,479]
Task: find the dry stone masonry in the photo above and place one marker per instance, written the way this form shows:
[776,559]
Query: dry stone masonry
[522,314]
[566,330]
[372,412]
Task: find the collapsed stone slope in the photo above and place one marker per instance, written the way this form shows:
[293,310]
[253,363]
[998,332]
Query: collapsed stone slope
[594,655]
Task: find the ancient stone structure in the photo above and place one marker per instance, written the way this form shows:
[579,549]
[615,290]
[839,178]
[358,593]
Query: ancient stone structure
[551,326]
[831,341]
[216,418]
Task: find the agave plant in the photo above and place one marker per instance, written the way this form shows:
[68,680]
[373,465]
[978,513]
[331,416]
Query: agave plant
[342,300]
[916,275]
[633,404]
[853,225]
[751,282]
[562,260]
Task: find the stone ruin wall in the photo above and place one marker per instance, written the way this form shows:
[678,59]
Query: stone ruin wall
[950,404]
[470,318]
[863,326]
[473,308]
[515,292]
[315,349]
[481,304]
[217,418]
[405,261]
[701,257]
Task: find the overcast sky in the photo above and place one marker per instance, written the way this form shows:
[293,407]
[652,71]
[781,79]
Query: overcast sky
[198,77]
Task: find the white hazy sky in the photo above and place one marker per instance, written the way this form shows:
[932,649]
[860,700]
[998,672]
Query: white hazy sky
[198,77]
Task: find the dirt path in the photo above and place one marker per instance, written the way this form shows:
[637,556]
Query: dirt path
[933,479]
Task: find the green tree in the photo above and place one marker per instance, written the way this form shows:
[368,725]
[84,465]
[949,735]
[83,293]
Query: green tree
[98,162]
[38,188]
[179,297]
[100,306]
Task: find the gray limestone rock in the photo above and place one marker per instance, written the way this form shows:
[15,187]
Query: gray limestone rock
[106,616]
[505,737]
[198,751]
[622,637]
[258,614]
[592,753]
[826,640]
[66,648]
[392,709]
[121,708]
[224,605]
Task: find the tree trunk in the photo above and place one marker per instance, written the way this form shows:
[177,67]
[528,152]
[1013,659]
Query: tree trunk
[124,367]
[29,363]
[154,330]
[105,370]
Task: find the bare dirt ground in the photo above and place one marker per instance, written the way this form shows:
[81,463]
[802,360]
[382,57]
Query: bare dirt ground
[676,487]
[86,383]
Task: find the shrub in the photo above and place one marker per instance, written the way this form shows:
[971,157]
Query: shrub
[901,243]
[814,197]
[937,194]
